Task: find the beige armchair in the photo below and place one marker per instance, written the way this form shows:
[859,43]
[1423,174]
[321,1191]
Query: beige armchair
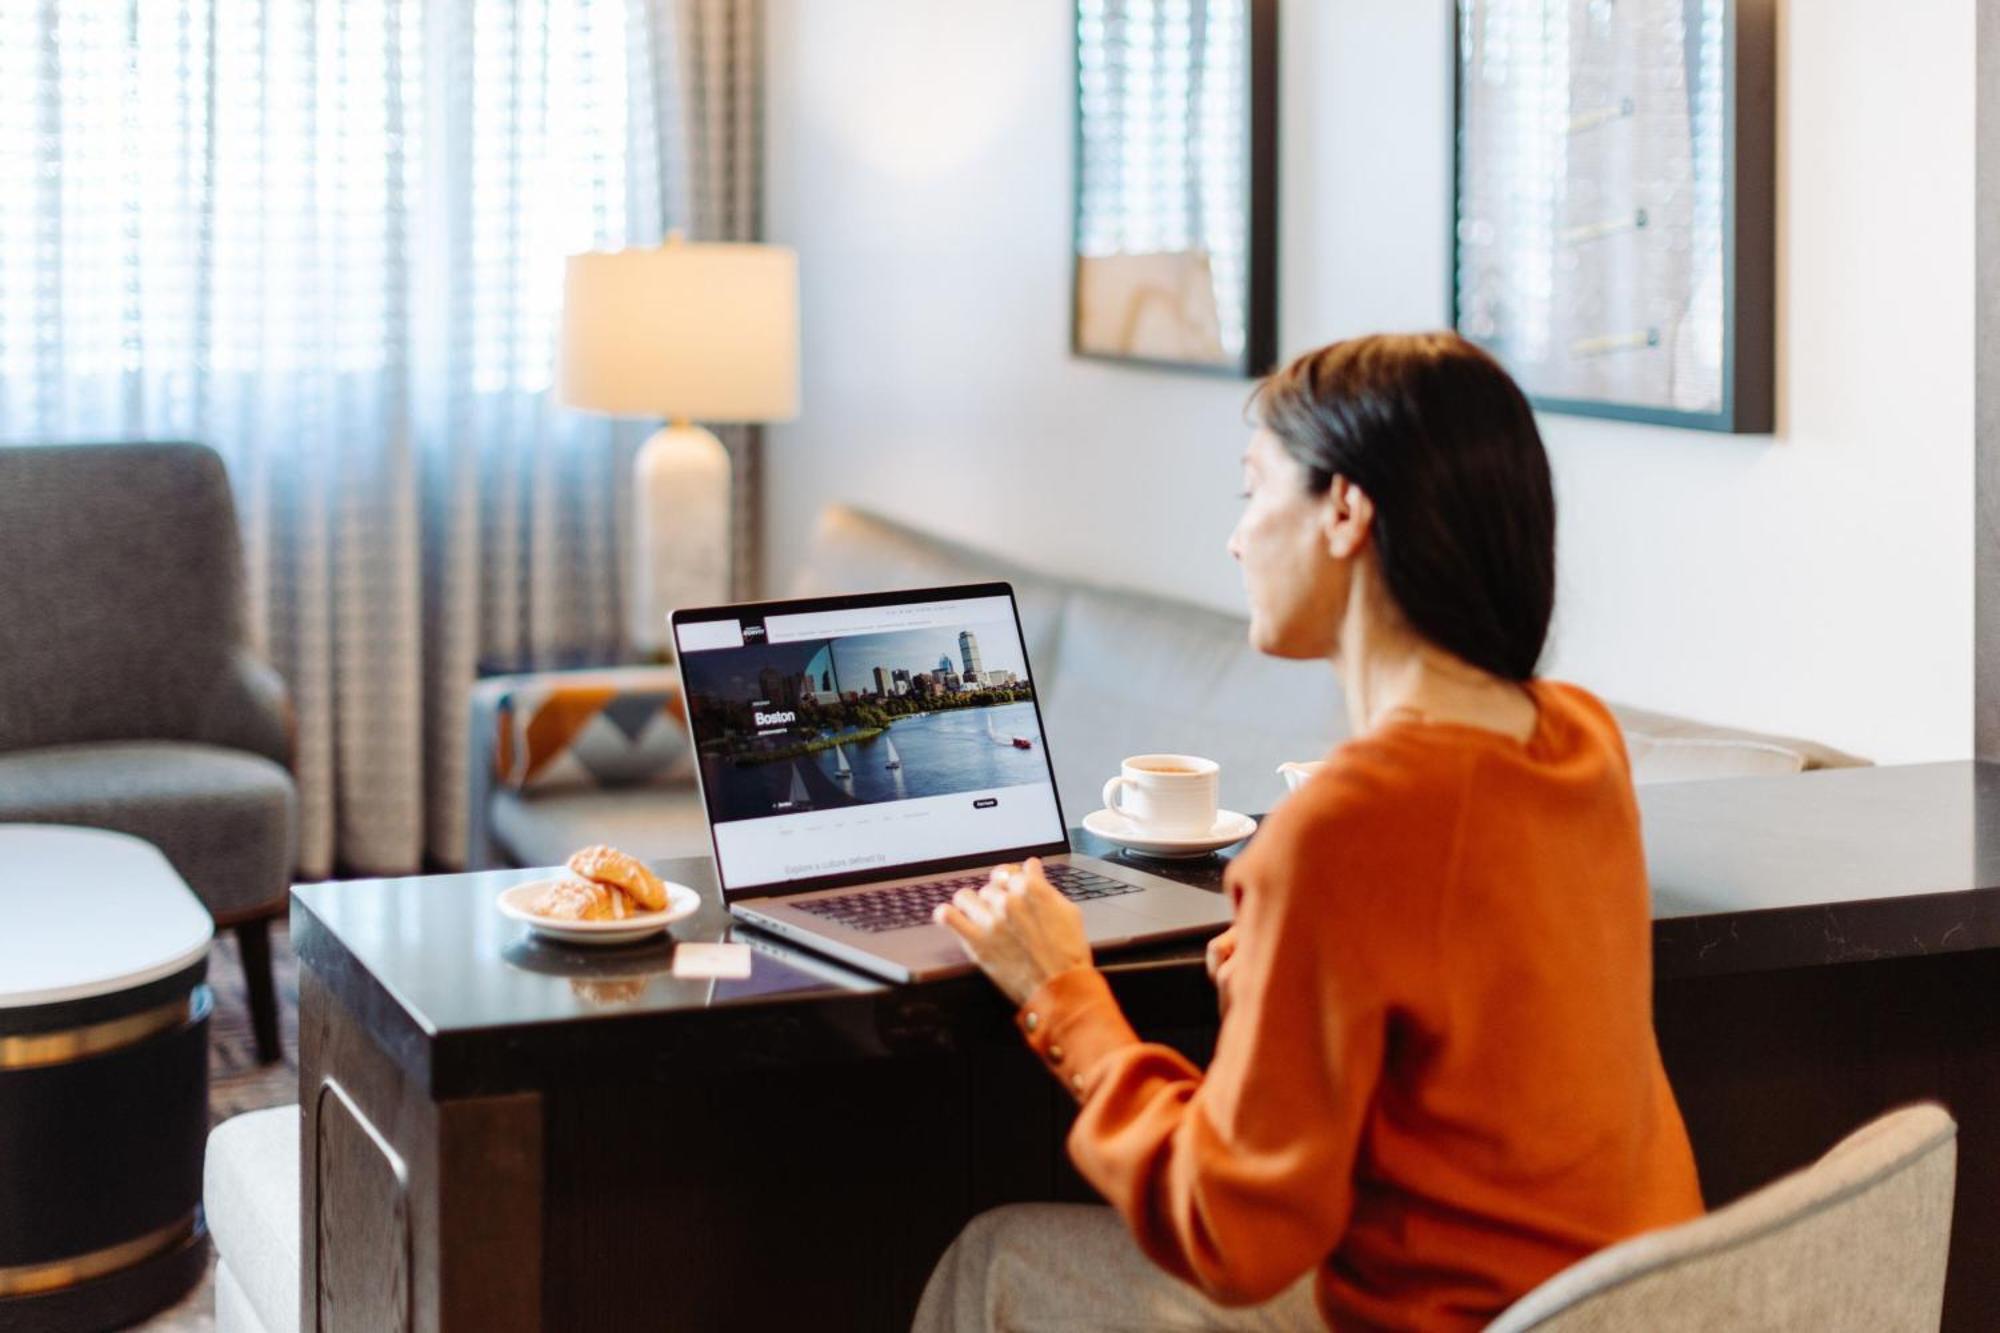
[1854,1243]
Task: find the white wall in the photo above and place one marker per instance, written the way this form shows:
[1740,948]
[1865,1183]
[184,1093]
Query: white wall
[1819,582]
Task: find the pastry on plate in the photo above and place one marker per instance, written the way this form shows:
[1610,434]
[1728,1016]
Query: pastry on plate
[580,900]
[609,866]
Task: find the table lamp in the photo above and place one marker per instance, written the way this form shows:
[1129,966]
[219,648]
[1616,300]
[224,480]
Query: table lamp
[687,332]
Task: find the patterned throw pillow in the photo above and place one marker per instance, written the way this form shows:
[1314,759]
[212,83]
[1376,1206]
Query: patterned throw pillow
[570,734]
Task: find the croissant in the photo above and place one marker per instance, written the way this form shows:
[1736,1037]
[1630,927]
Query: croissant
[580,900]
[608,865]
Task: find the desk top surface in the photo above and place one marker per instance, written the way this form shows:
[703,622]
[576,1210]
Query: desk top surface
[1748,875]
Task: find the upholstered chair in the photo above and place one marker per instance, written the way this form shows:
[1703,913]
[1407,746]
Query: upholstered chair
[1854,1243]
[127,698]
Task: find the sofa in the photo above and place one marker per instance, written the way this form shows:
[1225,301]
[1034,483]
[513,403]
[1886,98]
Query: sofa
[1116,673]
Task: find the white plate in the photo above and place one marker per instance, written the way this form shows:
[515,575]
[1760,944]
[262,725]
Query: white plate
[681,901]
[1229,828]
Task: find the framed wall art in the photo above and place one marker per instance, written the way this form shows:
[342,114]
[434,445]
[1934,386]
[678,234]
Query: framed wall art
[1175,228]
[1613,230]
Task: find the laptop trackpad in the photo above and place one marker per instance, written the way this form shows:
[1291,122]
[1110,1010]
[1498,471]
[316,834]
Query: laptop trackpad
[1145,916]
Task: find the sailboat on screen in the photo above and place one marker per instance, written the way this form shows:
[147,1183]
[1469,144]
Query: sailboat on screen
[841,768]
[895,760]
[797,798]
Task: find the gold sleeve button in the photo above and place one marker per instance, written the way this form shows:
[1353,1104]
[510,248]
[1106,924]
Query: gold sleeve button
[1031,1021]
[1076,1082]
[1055,1054]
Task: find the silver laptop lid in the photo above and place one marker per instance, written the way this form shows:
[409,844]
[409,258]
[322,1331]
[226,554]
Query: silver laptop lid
[845,739]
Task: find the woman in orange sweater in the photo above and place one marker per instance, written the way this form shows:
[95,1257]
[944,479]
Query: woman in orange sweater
[1436,1082]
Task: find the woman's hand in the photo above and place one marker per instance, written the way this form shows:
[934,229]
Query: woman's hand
[1221,962]
[1018,929]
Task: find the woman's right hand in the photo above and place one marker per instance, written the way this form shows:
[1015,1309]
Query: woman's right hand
[1221,962]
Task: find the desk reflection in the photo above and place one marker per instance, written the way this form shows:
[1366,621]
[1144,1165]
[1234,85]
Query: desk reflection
[624,976]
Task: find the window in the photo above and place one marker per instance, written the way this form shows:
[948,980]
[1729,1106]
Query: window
[211,206]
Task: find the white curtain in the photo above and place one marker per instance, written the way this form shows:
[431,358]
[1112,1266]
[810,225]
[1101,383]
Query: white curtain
[326,236]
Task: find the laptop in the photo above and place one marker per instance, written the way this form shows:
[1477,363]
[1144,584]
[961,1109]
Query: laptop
[862,758]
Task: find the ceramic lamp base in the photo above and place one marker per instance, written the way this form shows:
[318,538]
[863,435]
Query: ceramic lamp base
[680,530]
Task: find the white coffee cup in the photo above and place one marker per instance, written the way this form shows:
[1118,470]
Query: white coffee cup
[1173,795]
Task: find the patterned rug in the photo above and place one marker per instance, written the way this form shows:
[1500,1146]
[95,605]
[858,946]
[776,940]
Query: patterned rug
[237,1083]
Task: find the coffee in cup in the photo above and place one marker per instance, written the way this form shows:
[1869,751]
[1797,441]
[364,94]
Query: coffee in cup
[1172,795]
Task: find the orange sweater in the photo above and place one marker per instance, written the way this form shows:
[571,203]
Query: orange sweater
[1436,1081]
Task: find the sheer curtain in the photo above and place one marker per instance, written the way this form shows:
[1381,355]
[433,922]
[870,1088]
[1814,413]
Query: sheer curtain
[327,238]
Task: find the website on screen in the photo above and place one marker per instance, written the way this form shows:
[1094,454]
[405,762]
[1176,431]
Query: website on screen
[866,739]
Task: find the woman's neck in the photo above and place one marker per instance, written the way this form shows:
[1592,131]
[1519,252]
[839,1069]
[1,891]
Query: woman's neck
[1390,672]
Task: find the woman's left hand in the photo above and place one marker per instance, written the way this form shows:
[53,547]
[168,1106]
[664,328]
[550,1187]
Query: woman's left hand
[1018,929]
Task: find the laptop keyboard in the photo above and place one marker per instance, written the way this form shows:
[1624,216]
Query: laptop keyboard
[900,906]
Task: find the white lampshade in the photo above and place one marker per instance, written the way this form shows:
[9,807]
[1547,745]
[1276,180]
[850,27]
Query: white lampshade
[686,331]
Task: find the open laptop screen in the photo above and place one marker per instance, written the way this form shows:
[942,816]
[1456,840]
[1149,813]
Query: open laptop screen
[853,738]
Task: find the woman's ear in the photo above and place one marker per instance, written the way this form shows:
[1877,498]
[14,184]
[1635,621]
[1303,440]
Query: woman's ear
[1346,516]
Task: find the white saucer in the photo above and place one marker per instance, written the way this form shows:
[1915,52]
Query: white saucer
[681,901]
[1229,828]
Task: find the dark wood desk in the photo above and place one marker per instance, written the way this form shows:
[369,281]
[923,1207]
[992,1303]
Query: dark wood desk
[504,1135]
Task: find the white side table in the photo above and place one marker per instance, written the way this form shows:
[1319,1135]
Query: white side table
[103,1078]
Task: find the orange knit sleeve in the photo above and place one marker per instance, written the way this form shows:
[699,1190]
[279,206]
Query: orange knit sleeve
[1240,1180]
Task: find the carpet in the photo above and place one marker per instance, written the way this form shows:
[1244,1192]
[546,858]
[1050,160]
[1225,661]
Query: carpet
[237,1083]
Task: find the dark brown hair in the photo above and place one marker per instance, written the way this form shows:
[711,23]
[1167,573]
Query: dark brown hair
[1442,440]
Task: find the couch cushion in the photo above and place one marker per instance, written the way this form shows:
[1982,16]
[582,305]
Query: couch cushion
[250,1195]
[1697,758]
[224,818]
[652,823]
[857,552]
[1666,748]
[1138,673]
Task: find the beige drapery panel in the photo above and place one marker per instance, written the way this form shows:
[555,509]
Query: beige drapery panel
[722,45]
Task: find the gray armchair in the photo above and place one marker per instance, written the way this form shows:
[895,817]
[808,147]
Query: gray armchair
[127,700]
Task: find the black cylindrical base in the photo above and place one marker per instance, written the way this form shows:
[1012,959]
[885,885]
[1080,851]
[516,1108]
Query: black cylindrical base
[100,1167]
[116,1300]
